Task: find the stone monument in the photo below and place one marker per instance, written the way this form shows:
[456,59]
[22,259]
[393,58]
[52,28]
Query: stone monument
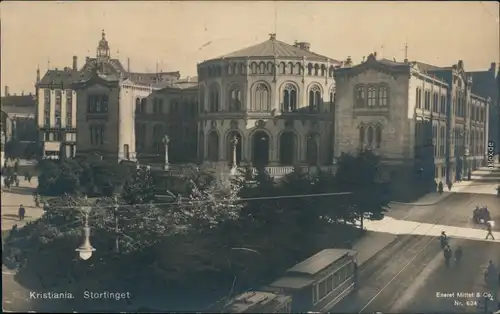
[234,164]
[165,141]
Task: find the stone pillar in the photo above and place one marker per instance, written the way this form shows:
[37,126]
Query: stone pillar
[234,145]
[166,140]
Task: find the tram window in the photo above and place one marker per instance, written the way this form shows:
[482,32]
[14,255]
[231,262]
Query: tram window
[315,294]
[336,280]
[322,289]
[329,283]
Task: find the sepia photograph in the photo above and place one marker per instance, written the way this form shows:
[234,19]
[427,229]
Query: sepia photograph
[250,156]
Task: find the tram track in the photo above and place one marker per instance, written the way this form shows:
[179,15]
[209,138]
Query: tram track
[380,271]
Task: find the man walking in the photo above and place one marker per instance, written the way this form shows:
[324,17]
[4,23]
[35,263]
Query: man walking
[22,212]
[488,227]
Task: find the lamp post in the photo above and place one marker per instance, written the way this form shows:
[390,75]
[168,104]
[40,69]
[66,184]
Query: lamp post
[85,250]
[234,145]
[165,141]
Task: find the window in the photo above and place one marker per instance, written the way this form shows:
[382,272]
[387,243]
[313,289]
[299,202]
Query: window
[435,102]
[158,134]
[362,136]
[332,100]
[382,96]
[370,136]
[360,96]
[378,136]
[235,100]
[282,68]
[435,139]
[157,105]
[299,67]
[322,291]
[372,96]
[262,68]
[214,99]
[57,109]
[316,70]
[270,68]
[69,108]
[144,104]
[97,104]
[261,99]
[314,99]
[442,138]
[290,68]
[138,105]
[140,138]
[253,68]
[418,98]
[97,134]
[427,100]
[289,98]
[442,104]
[309,69]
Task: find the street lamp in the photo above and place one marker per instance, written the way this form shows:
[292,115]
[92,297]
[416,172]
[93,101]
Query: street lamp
[85,250]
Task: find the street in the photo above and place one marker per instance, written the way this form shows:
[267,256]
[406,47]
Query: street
[406,275]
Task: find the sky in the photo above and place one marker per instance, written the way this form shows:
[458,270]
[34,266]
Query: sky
[178,35]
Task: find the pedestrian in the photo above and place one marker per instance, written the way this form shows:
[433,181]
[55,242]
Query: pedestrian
[488,227]
[440,187]
[450,185]
[22,212]
[469,175]
[458,255]
[29,177]
[447,255]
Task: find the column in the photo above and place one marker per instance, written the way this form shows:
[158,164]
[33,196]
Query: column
[166,140]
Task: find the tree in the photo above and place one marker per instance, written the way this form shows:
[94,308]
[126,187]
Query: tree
[139,188]
[360,174]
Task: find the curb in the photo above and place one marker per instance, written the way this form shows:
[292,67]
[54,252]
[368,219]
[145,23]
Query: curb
[446,196]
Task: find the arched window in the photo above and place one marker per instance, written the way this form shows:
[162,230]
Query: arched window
[261,99]
[254,68]
[242,68]
[372,96]
[282,68]
[378,135]
[331,71]
[262,68]
[332,100]
[316,69]
[323,70]
[314,99]
[290,68]
[289,98]
[418,98]
[369,135]
[298,66]
[270,68]
[382,96]
[360,96]
[361,136]
[309,69]
[235,100]
[229,69]
[214,99]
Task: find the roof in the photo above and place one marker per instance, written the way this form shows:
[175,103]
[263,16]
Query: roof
[276,48]
[292,282]
[425,67]
[392,63]
[19,104]
[64,77]
[319,261]
[484,84]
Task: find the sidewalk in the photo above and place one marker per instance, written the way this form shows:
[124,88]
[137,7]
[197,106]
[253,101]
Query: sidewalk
[11,200]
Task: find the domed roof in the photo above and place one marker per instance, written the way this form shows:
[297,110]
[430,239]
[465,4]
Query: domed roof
[275,48]
[103,43]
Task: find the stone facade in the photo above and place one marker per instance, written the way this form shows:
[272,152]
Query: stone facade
[419,121]
[274,98]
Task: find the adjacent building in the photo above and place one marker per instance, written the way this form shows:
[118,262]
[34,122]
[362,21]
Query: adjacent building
[424,121]
[171,111]
[18,112]
[107,96]
[272,101]
[56,112]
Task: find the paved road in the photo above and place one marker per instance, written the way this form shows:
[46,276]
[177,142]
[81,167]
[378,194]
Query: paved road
[397,278]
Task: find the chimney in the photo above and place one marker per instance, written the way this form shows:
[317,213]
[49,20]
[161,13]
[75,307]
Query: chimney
[375,54]
[128,64]
[493,67]
[6,90]
[303,45]
[75,63]
[87,59]
[461,64]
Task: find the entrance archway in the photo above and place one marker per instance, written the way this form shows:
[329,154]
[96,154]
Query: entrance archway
[260,149]
[213,146]
[229,147]
[288,147]
[312,150]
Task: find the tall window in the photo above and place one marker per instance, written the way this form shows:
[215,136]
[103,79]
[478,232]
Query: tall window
[382,96]
[378,135]
[442,141]
[214,105]
[309,69]
[235,100]
[261,99]
[418,98]
[69,108]
[140,139]
[97,134]
[57,108]
[360,96]
[289,98]
[46,107]
[314,99]
[362,136]
[427,100]
[435,139]
[158,134]
[442,104]
[157,105]
[369,135]
[332,100]
[435,102]
[372,96]
[97,104]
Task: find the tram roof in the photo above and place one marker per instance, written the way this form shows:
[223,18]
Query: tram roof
[320,261]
